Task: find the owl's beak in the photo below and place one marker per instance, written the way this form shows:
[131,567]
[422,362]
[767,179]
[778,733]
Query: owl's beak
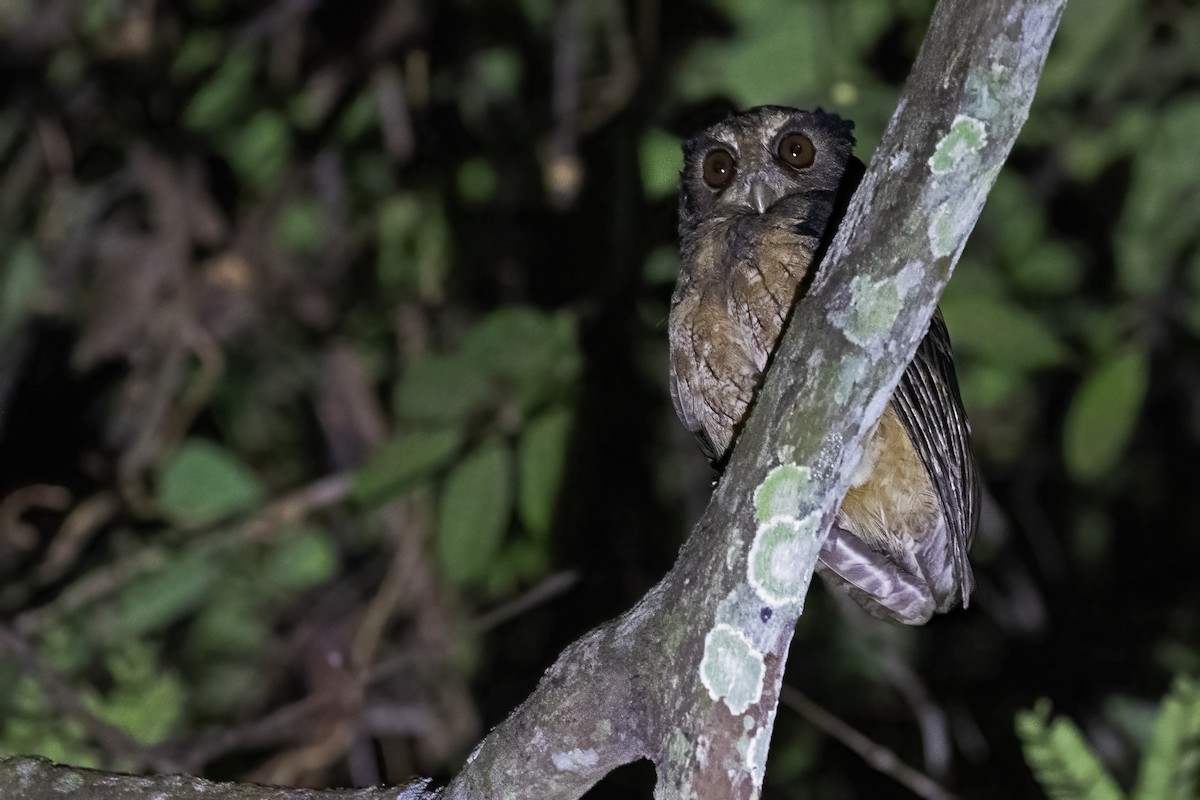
[762,196]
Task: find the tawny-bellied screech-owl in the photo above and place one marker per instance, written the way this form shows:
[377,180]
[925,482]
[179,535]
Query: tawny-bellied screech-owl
[759,199]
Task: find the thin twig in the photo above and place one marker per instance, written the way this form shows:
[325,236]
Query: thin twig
[880,758]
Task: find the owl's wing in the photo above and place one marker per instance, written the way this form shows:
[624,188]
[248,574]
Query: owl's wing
[928,404]
[711,379]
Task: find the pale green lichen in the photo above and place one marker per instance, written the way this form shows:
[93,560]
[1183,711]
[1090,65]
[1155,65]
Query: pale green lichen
[874,307]
[679,750]
[781,558]
[944,231]
[966,137]
[603,730]
[779,493]
[731,669]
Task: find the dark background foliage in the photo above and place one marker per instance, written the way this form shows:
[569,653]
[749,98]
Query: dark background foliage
[333,378]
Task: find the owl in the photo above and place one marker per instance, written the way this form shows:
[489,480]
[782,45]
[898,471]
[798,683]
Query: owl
[761,194]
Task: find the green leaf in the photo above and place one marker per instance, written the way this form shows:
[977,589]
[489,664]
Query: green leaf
[404,462]
[661,160]
[202,482]
[441,388]
[146,701]
[1171,764]
[1160,218]
[1001,333]
[473,513]
[300,225]
[477,180]
[259,150]
[1060,759]
[300,559]
[19,285]
[224,97]
[1103,414]
[160,599]
[541,456]
[532,353]
[200,50]
[414,245]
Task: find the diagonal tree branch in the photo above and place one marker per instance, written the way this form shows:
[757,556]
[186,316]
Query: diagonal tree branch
[690,677]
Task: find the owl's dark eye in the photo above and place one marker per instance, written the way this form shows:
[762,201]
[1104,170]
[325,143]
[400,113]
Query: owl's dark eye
[796,150]
[719,167]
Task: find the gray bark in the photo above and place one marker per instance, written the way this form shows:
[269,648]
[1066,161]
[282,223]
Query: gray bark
[690,677]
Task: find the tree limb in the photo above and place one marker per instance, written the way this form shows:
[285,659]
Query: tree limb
[690,677]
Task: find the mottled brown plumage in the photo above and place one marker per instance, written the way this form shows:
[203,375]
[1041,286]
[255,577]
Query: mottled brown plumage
[759,197]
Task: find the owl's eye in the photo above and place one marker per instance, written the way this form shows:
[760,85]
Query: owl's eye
[719,167]
[796,150]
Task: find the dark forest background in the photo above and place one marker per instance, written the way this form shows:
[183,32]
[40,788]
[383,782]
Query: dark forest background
[333,378]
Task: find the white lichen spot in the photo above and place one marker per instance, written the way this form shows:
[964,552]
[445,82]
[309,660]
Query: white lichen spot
[747,723]
[850,372]
[966,137]
[732,669]
[898,161]
[782,557]
[575,760]
[68,783]
[734,550]
[874,307]
[474,754]
[756,756]
[779,493]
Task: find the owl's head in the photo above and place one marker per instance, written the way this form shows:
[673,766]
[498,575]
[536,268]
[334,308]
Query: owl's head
[748,162]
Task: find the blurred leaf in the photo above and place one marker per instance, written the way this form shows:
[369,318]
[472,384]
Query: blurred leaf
[1051,268]
[1171,764]
[404,462]
[542,457]
[535,354]
[1103,414]
[441,388]
[473,513]
[19,285]
[202,482]
[224,97]
[300,559]
[499,71]
[477,181]
[200,50]
[160,599]
[230,623]
[1001,333]
[259,150]
[1060,759]
[31,727]
[1161,216]
[300,226]
[414,247]
[662,265]
[661,160]
[1088,38]
[359,117]
[146,701]
[522,560]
